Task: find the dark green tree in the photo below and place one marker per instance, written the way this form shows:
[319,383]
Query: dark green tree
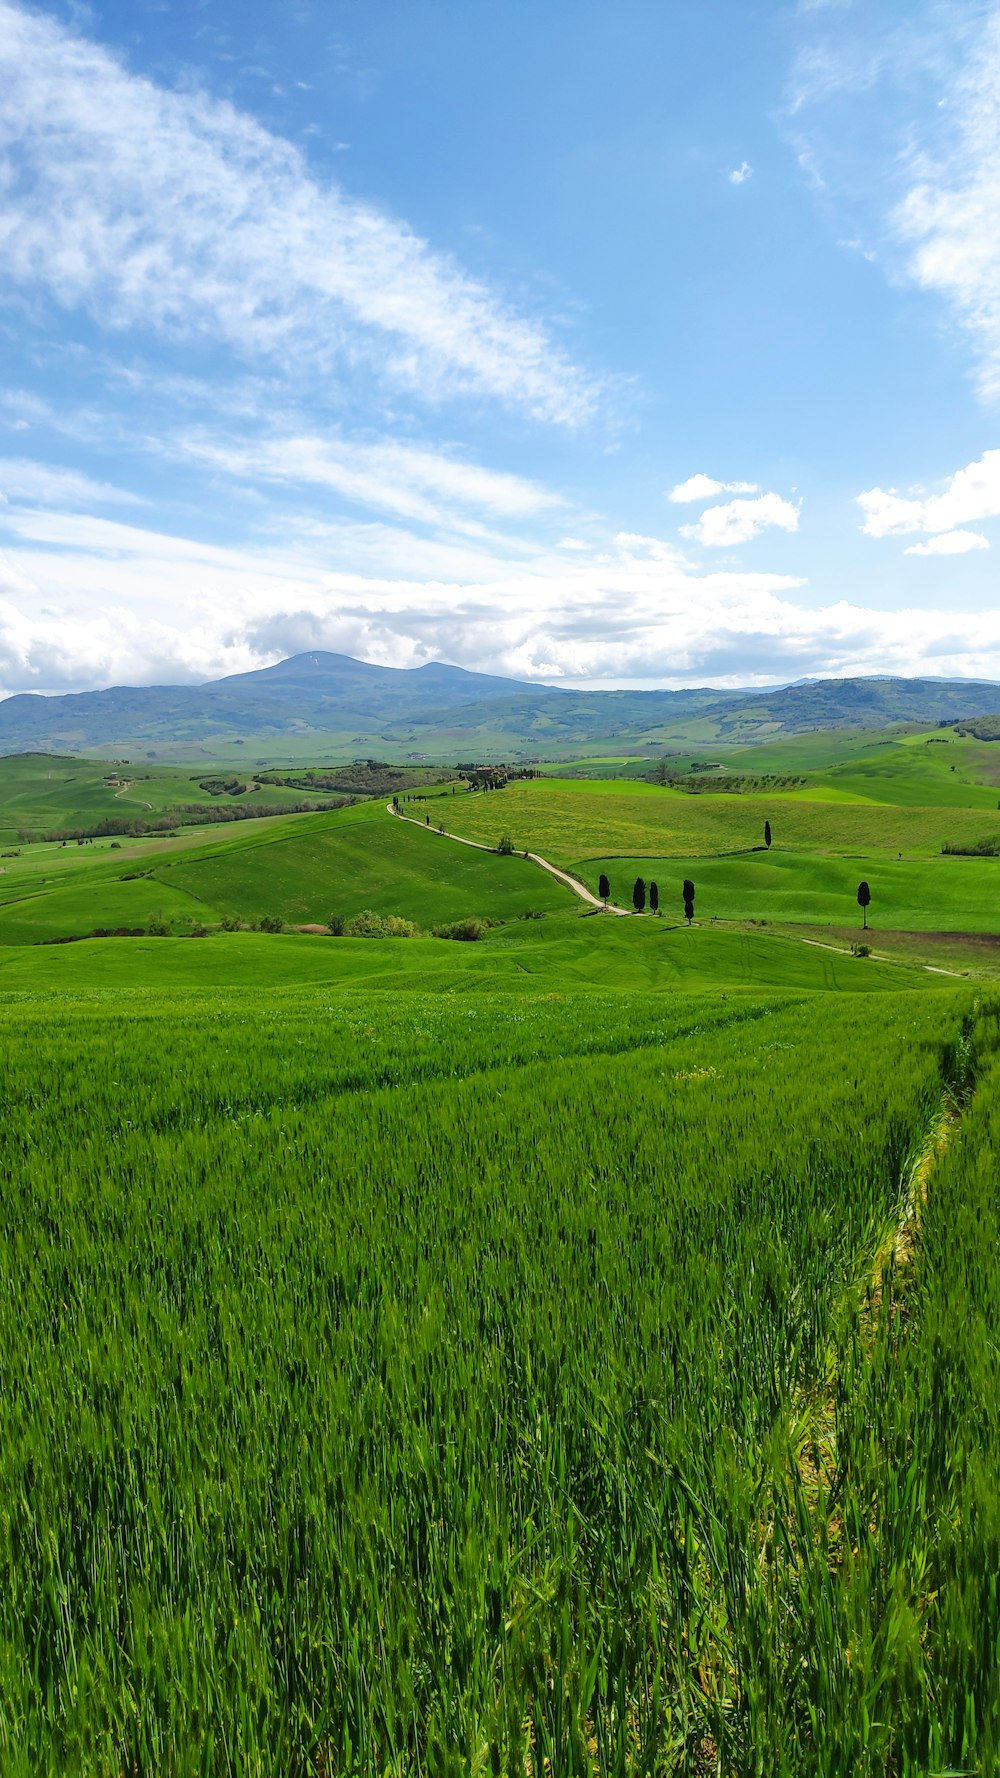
[654,899]
[688,900]
[767,835]
[639,894]
[604,889]
[864,899]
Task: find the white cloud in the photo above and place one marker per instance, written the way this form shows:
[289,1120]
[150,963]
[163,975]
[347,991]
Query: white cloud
[970,495]
[704,487]
[950,216]
[176,212]
[949,543]
[741,174]
[888,514]
[87,601]
[722,527]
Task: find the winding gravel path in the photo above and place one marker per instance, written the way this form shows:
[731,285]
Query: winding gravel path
[561,876]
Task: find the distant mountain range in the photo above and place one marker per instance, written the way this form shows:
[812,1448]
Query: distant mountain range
[329,703]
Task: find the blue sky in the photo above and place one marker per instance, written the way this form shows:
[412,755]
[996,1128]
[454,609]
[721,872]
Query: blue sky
[654,344]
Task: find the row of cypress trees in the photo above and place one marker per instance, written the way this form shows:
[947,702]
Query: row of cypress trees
[639,896]
[640,892]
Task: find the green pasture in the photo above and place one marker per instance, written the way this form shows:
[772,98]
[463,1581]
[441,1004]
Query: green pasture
[568,820]
[303,870]
[397,1384]
[42,792]
[811,752]
[626,766]
[569,952]
[355,859]
[937,769]
[920,894]
[568,1351]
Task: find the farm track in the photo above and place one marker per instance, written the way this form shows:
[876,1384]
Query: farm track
[819,944]
[561,876]
[813,1419]
[592,901]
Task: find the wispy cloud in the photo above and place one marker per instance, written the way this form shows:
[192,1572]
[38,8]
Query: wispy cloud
[49,486]
[741,174]
[896,120]
[950,217]
[739,521]
[409,481]
[172,211]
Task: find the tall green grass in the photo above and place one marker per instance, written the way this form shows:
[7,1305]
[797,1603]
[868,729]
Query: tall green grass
[413,1386]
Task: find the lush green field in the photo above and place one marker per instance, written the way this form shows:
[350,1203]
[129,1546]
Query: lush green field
[561,953]
[42,793]
[860,809]
[570,1352]
[941,894]
[301,870]
[444,1386]
[566,821]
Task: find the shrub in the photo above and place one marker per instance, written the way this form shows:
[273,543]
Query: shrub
[231,923]
[473,927]
[337,924]
[984,848]
[506,847]
[158,929]
[270,923]
[368,924]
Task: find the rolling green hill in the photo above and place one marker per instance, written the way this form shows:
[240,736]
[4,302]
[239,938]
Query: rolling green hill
[41,793]
[567,953]
[359,859]
[300,869]
[909,895]
[574,819]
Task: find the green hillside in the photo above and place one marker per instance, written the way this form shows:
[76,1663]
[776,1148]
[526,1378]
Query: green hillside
[566,821]
[41,793]
[301,870]
[933,895]
[565,953]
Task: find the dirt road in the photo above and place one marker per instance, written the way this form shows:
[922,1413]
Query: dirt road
[561,876]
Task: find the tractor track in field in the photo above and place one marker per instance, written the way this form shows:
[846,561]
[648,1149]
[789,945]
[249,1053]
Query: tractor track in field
[561,876]
[819,944]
